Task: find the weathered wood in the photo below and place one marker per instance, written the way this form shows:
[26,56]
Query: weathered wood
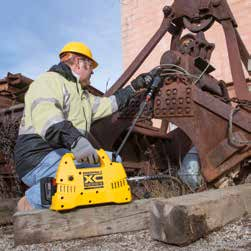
[44,225]
[7,209]
[182,220]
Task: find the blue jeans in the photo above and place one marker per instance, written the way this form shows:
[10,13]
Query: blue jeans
[46,168]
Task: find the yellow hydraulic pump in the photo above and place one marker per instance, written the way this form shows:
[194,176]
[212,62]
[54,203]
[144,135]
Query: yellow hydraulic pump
[80,186]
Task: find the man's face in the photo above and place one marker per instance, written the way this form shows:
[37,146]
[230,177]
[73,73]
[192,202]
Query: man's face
[85,70]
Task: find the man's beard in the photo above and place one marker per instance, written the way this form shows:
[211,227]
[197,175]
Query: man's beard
[85,82]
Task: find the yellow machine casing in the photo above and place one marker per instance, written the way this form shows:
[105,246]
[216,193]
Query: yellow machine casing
[83,186]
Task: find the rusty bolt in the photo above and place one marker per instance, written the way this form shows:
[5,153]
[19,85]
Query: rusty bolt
[188,90]
[180,100]
[179,110]
[171,111]
[182,79]
[174,91]
[188,100]
[167,101]
[188,109]
[157,111]
[174,101]
[168,92]
[158,102]
[168,80]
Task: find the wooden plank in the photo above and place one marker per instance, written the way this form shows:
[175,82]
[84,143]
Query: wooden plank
[5,102]
[182,220]
[45,225]
[7,209]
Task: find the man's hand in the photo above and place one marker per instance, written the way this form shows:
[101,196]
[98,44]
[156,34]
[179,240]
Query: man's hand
[145,80]
[83,151]
[142,81]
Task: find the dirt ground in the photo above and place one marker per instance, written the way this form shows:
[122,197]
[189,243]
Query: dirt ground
[233,237]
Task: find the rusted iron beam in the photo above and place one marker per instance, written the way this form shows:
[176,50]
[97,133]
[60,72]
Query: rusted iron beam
[8,88]
[149,132]
[211,173]
[165,26]
[135,165]
[238,76]
[245,56]
[12,109]
[241,119]
[224,150]
[6,102]
[18,78]
[12,89]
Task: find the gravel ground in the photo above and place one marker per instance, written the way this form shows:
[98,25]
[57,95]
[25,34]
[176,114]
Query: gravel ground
[233,237]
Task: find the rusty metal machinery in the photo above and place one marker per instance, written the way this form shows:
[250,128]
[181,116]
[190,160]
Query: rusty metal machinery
[12,90]
[197,16]
[197,103]
[10,186]
[190,97]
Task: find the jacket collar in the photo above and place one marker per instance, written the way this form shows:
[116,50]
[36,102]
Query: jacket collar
[76,76]
[65,71]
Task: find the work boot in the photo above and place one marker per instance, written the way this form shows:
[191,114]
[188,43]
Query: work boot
[23,205]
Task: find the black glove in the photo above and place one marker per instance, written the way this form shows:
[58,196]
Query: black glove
[83,151]
[142,81]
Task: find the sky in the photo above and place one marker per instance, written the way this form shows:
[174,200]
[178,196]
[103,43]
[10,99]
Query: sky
[33,33]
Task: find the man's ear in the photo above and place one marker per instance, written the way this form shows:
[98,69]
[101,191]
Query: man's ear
[76,63]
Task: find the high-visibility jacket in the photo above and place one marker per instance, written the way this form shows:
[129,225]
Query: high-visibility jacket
[57,112]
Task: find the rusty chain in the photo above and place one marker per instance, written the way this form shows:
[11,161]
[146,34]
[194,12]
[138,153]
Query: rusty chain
[242,103]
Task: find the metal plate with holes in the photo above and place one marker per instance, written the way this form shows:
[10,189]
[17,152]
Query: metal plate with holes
[174,100]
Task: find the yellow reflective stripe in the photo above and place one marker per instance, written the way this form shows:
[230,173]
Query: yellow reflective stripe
[44,112]
[45,100]
[101,103]
[105,108]
[96,104]
[113,103]
[28,130]
[66,102]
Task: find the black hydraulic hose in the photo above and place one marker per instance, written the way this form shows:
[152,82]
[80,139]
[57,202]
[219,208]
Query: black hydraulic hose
[151,91]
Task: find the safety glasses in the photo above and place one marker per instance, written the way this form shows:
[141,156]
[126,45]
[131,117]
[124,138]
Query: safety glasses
[90,62]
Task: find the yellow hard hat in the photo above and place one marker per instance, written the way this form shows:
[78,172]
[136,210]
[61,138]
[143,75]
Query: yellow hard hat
[80,48]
